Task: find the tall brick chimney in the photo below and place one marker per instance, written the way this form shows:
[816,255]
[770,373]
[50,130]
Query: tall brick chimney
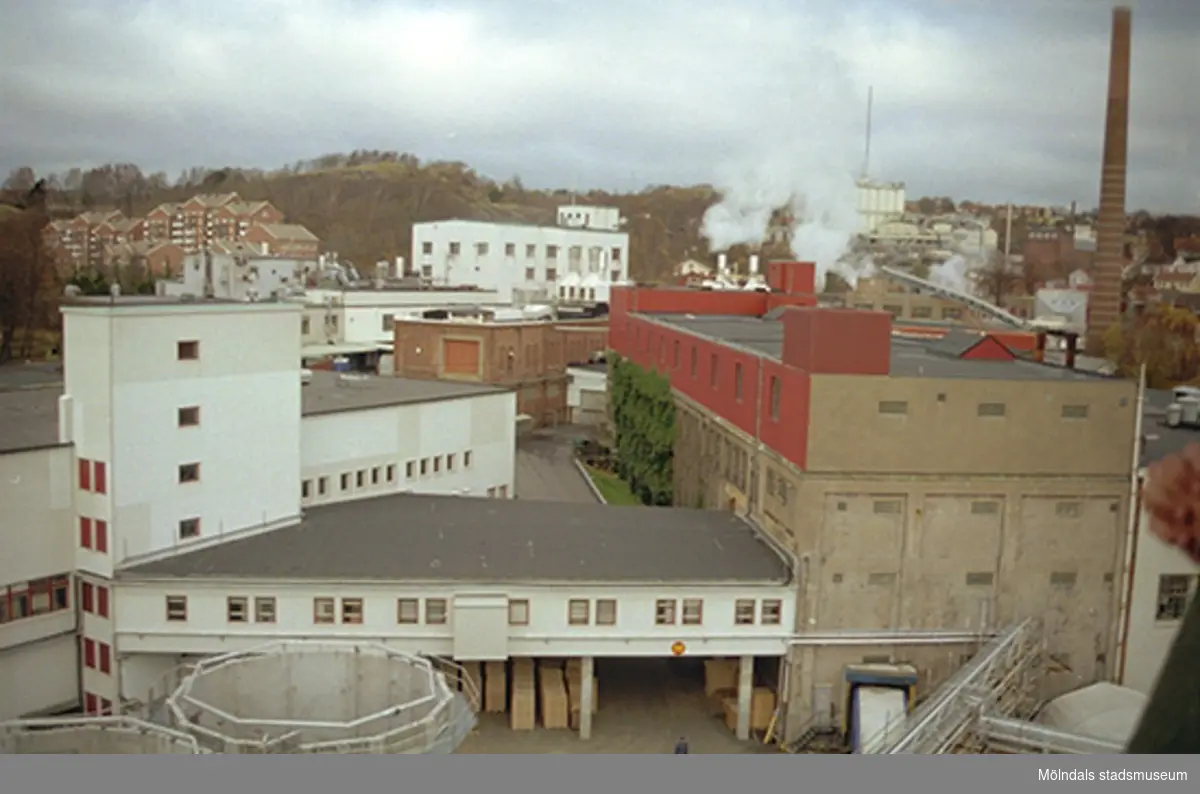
[1105,300]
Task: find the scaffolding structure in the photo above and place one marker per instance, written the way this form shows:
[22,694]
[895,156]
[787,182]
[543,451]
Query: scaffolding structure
[324,697]
[120,735]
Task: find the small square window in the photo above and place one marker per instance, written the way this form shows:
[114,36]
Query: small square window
[743,612]
[772,612]
[352,610]
[189,472]
[177,608]
[237,609]
[692,612]
[435,611]
[606,612]
[518,612]
[264,609]
[664,612]
[408,611]
[188,350]
[189,416]
[578,612]
[189,528]
[323,610]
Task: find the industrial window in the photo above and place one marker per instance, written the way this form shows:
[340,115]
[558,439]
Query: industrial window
[177,608]
[427,247]
[237,609]
[606,612]
[189,472]
[481,249]
[991,409]
[410,469]
[105,653]
[776,397]
[101,536]
[979,579]
[455,249]
[450,462]
[322,485]
[360,478]
[305,489]
[1173,593]
[886,506]
[189,528]
[85,532]
[101,601]
[743,612]
[391,472]
[1062,578]
[435,611]
[467,459]
[692,612]
[713,369]
[1068,509]
[518,612]
[1074,412]
[437,463]
[352,610]
[345,482]
[893,407]
[695,361]
[100,477]
[85,474]
[772,612]
[530,273]
[264,609]
[551,273]
[424,466]
[408,611]
[87,594]
[510,249]
[578,612]
[323,610]
[375,476]
[881,579]
[189,416]
[676,354]
[187,351]
[552,252]
[737,381]
[664,612]
[985,508]
[89,653]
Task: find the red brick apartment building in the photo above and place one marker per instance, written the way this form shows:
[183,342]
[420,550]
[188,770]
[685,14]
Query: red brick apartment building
[530,357]
[94,239]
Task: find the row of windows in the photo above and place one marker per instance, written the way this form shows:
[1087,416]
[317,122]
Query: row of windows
[989,409]
[1070,508]
[35,597]
[574,253]
[916,312]
[714,367]
[97,655]
[93,476]
[94,599]
[93,534]
[580,611]
[1058,579]
[386,474]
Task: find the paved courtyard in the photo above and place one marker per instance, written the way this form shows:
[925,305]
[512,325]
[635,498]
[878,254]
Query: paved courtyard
[645,706]
[546,469]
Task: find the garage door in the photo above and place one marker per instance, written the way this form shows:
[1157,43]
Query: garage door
[460,356]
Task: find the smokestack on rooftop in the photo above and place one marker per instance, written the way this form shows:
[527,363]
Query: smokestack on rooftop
[1105,300]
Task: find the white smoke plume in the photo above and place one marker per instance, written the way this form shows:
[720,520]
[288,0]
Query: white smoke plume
[954,273]
[805,152]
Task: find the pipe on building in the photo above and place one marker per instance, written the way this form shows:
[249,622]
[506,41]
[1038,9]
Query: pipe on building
[1129,552]
[1039,348]
[1072,343]
[886,637]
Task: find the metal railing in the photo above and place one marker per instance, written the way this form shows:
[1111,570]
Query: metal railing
[1019,736]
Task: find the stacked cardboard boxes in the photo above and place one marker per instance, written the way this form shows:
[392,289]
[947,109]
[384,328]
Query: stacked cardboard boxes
[555,714]
[472,682]
[720,683]
[495,691]
[522,714]
[762,708]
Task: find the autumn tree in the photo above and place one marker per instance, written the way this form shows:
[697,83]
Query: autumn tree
[1163,339]
[997,279]
[28,279]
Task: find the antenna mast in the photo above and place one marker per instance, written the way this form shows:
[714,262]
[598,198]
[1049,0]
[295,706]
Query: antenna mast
[867,155]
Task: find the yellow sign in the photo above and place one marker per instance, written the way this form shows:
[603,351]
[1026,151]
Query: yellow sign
[679,649]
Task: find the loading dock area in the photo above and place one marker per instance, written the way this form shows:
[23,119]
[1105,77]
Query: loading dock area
[638,705]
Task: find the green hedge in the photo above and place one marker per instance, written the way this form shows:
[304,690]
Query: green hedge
[643,417]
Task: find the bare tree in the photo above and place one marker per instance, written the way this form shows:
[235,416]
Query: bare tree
[27,277]
[997,279]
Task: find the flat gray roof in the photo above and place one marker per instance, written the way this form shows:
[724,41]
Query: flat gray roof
[470,539]
[152,300]
[329,392]
[910,357]
[29,417]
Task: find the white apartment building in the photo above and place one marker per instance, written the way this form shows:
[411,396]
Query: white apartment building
[571,264]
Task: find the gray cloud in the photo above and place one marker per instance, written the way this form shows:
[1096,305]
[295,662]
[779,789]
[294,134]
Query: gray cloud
[990,101]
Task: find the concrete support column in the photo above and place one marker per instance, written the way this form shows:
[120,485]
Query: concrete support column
[745,696]
[587,691]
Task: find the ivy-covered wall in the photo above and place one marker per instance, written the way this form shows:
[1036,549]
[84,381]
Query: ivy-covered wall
[643,422]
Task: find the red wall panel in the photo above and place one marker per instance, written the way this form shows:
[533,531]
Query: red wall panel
[838,341]
[792,278]
[787,435]
[989,349]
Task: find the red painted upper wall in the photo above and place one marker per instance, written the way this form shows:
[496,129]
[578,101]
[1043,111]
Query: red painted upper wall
[838,341]
[792,278]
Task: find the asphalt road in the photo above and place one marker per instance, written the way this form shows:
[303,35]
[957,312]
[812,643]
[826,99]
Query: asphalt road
[546,470]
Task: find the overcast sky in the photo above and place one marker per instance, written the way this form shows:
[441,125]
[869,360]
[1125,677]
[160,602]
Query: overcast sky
[999,101]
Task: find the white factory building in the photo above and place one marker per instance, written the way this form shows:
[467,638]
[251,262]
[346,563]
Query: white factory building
[183,492]
[576,261]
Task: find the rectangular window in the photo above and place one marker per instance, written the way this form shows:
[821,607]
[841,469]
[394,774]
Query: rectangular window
[606,612]
[893,407]
[102,601]
[323,611]
[737,381]
[437,464]
[578,612]
[1065,579]
[305,489]
[408,611]
[410,469]
[188,350]
[189,416]
[1173,594]
[450,462]
[979,579]
[664,612]
[695,362]
[530,251]
[100,477]
[424,466]
[427,247]
[176,608]
[189,528]
[85,474]
[772,612]
[360,478]
[87,596]
[692,612]
[264,609]
[189,472]
[237,609]
[89,653]
[322,485]
[101,536]
[776,397]
[467,459]
[91,704]
[713,369]
[455,249]
[435,611]
[345,482]
[510,249]
[106,707]
[991,409]
[481,249]
[375,475]
[352,610]
[105,654]
[391,472]
[85,532]
[1074,412]
[743,612]
[518,612]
